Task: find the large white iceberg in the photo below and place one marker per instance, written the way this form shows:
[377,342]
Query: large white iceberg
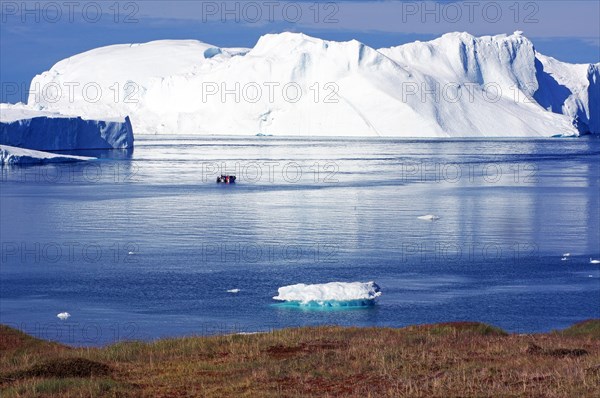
[10,155]
[331,294]
[27,127]
[292,84]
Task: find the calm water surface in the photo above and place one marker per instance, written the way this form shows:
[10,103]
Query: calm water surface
[146,244]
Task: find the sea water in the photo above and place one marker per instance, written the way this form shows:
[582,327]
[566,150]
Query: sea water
[145,244]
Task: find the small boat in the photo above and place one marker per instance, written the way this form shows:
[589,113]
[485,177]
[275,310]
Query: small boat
[592,261]
[225,179]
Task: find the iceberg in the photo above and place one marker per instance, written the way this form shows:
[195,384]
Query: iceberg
[333,294]
[63,316]
[33,128]
[429,217]
[457,85]
[10,155]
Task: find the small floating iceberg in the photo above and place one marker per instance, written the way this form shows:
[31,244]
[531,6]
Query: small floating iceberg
[10,155]
[429,217]
[63,316]
[333,294]
[564,135]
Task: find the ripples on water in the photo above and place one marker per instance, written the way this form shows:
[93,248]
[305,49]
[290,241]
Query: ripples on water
[308,211]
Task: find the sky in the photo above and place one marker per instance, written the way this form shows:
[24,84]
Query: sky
[34,35]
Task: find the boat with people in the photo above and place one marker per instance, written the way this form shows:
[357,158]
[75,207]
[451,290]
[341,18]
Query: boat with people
[226,179]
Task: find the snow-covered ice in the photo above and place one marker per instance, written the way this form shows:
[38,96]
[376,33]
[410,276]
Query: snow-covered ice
[490,86]
[330,294]
[10,155]
[32,128]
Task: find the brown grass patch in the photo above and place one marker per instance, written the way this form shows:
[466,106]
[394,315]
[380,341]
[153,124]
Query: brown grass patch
[535,349]
[63,368]
[282,351]
[454,359]
[12,340]
[460,327]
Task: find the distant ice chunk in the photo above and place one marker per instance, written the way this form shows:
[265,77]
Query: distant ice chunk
[10,155]
[233,291]
[429,217]
[333,294]
[63,316]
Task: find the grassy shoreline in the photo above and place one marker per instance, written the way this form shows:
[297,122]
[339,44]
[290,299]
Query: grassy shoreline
[441,360]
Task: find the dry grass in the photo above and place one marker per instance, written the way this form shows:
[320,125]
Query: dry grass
[443,360]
